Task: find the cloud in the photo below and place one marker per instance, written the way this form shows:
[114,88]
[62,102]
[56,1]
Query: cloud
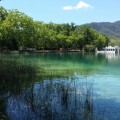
[80,5]
[68,8]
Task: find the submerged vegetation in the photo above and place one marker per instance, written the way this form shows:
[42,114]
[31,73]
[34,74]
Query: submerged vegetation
[56,97]
[23,95]
[17,30]
[16,76]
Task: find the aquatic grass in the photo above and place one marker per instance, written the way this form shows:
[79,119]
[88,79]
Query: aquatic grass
[3,115]
[63,100]
[15,76]
[52,99]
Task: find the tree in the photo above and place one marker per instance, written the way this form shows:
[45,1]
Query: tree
[18,29]
[3,13]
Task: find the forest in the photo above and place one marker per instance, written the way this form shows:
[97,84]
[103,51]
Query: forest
[18,29]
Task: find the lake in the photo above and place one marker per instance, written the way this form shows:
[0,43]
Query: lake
[59,86]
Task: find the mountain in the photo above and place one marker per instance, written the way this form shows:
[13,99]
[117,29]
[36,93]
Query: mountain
[107,28]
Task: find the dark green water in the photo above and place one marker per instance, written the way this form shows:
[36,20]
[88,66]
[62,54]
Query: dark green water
[59,86]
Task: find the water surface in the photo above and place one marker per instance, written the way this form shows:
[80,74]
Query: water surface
[64,86]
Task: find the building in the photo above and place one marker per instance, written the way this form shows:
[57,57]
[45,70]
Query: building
[110,49]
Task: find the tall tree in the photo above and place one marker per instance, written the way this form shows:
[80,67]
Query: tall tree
[3,13]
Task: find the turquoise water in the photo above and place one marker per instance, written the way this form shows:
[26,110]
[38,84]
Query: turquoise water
[62,89]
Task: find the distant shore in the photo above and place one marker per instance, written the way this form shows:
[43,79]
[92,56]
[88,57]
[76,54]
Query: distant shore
[38,51]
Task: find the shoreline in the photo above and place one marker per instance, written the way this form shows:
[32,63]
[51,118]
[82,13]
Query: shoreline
[37,51]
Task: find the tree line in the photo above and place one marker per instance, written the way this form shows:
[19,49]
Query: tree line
[18,29]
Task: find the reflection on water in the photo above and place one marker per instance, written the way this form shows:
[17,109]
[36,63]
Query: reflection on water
[53,100]
[61,100]
[74,86]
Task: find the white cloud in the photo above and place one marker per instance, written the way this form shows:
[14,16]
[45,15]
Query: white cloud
[80,5]
[68,8]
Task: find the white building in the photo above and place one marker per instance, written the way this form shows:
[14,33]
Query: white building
[110,49]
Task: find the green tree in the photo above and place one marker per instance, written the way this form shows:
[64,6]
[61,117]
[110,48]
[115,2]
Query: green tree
[3,13]
[17,30]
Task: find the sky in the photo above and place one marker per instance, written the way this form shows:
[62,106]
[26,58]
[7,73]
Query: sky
[67,11]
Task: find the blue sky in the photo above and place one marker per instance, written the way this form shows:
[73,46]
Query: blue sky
[67,11]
